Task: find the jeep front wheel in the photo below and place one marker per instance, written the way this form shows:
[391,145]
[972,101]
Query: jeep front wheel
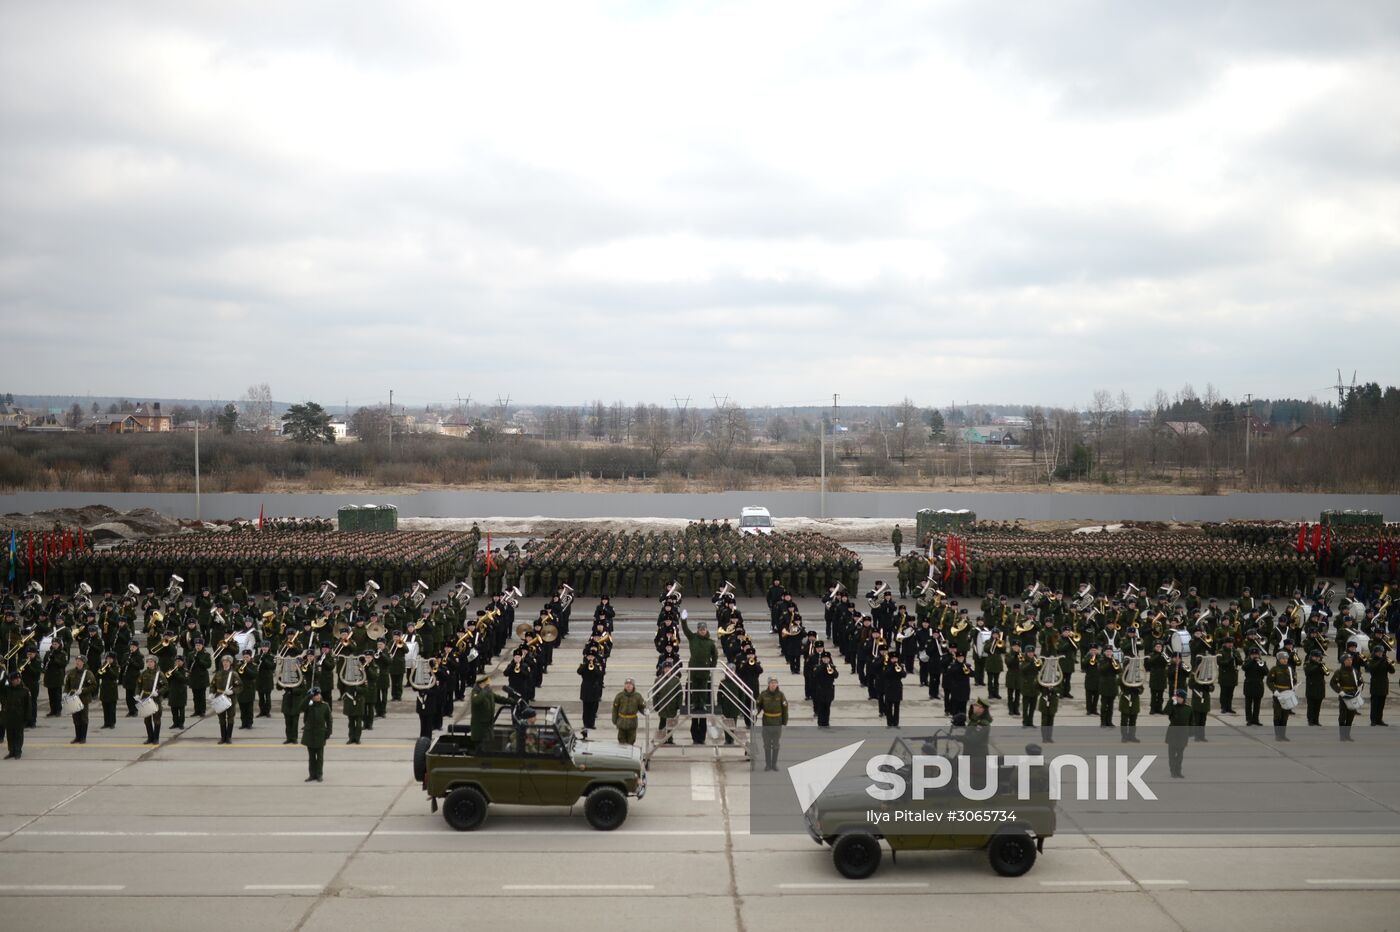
[857,855]
[464,809]
[605,809]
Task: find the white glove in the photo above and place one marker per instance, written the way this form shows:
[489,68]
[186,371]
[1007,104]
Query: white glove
[685,615]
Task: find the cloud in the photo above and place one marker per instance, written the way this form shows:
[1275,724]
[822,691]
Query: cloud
[769,200]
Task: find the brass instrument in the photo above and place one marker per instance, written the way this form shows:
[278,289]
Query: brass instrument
[19,645]
[464,592]
[327,592]
[340,629]
[673,591]
[1205,671]
[835,591]
[132,590]
[566,595]
[422,674]
[343,645]
[290,645]
[371,590]
[418,593]
[725,591]
[1133,673]
[876,594]
[1085,598]
[512,596]
[351,672]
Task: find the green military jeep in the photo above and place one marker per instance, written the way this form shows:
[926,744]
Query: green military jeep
[533,759]
[1011,829]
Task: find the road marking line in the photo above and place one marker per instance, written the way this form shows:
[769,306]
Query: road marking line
[554,830]
[64,888]
[1381,880]
[194,834]
[1174,883]
[1086,883]
[884,885]
[283,886]
[577,886]
[702,783]
[445,832]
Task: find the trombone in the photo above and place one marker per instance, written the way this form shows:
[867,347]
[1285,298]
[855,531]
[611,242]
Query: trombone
[19,645]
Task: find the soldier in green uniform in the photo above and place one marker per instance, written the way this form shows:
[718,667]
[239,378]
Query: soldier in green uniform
[152,685]
[897,538]
[483,711]
[15,701]
[315,732]
[80,682]
[1346,683]
[704,656]
[1281,682]
[773,713]
[627,705]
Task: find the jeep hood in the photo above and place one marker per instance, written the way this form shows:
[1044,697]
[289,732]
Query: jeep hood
[610,755]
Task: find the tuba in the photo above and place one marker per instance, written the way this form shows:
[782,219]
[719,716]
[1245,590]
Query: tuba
[725,591]
[1132,675]
[464,592]
[371,590]
[512,596]
[566,595]
[1050,675]
[174,590]
[422,674]
[875,594]
[673,591]
[289,672]
[1205,670]
[418,593]
[1085,599]
[1169,592]
[327,593]
[835,591]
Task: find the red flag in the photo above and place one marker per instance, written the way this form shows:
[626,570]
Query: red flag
[1317,537]
[48,545]
[966,564]
[490,560]
[260,517]
[31,554]
[1302,537]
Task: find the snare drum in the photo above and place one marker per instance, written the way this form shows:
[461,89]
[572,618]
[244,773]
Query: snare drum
[1287,699]
[72,705]
[221,704]
[147,707]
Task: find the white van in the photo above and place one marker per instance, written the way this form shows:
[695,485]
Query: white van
[754,520]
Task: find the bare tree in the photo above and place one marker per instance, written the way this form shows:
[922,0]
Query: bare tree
[659,438]
[1098,419]
[1125,404]
[728,427]
[256,410]
[906,430]
[778,428]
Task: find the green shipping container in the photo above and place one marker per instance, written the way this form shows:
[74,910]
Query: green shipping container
[368,518]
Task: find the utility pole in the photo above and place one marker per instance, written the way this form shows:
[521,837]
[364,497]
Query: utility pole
[821,437]
[1248,426]
[391,419]
[197,516]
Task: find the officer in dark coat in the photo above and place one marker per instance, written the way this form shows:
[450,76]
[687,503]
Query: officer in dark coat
[15,702]
[315,732]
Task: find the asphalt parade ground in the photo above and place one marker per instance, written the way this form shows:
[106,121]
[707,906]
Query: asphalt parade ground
[115,835]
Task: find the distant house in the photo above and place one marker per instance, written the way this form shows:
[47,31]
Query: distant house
[456,428]
[1187,429]
[113,424]
[973,435]
[14,420]
[1300,434]
[340,429]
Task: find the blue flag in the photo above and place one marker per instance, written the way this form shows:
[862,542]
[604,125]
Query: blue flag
[13,557]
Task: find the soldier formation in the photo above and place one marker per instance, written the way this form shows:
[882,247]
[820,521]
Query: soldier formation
[267,558]
[700,558]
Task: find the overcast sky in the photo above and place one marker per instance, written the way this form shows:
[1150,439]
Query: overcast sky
[640,200]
